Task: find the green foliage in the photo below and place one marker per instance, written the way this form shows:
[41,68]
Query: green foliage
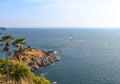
[2,61]
[16,71]
[19,42]
[7,38]
[41,80]
[20,72]
[3,66]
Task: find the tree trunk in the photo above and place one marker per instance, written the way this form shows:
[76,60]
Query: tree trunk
[7,68]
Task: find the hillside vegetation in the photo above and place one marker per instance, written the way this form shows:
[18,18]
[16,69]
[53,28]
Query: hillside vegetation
[14,69]
[19,74]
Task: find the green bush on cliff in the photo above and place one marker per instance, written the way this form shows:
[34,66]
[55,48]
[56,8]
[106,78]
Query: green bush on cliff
[3,66]
[40,80]
[20,73]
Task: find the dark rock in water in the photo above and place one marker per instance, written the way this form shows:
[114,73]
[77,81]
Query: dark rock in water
[49,52]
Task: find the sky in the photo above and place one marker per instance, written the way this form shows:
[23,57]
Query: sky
[60,13]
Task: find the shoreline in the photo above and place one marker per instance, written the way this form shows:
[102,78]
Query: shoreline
[48,60]
[36,59]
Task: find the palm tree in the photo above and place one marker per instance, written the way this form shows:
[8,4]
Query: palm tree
[19,43]
[7,39]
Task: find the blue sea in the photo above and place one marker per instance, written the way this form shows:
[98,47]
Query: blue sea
[92,57]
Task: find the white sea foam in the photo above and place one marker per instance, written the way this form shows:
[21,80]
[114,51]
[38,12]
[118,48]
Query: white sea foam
[55,52]
[42,74]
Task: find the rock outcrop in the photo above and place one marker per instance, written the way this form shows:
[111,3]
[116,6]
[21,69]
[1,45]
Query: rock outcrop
[35,58]
[48,59]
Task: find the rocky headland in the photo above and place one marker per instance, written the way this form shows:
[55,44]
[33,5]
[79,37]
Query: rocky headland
[19,68]
[35,58]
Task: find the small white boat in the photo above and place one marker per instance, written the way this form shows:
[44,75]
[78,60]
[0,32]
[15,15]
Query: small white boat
[54,82]
[71,38]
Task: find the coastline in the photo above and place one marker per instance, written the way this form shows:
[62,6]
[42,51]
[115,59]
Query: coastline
[36,59]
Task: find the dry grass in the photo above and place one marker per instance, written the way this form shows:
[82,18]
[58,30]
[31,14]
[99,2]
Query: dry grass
[27,54]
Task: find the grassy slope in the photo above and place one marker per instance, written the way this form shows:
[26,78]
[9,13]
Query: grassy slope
[27,54]
[22,67]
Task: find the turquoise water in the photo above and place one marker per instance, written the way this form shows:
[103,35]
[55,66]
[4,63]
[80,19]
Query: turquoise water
[92,57]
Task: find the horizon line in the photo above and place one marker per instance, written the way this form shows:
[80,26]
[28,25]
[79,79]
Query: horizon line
[67,27]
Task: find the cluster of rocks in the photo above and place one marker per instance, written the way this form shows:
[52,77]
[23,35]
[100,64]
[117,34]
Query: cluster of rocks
[48,59]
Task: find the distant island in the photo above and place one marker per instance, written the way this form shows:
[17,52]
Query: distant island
[3,28]
[20,68]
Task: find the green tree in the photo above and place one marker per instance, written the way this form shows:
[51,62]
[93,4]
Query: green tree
[19,43]
[7,39]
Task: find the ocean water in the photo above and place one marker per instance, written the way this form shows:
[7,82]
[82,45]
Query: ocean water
[92,57]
